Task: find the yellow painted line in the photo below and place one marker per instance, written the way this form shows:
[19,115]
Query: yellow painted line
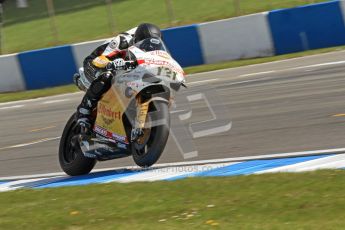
[40,129]
[30,143]
[339,115]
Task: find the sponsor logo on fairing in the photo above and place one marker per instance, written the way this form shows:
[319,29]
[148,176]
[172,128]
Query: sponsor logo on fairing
[119,138]
[122,146]
[135,84]
[161,54]
[100,131]
[167,64]
[110,135]
[103,110]
[155,41]
[107,121]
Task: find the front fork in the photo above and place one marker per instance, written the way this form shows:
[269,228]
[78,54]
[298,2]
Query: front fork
[140,120]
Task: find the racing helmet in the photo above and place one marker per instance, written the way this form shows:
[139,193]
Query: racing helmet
[147,30]
[151,44]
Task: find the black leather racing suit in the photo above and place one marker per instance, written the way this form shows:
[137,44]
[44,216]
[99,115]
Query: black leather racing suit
[94,64]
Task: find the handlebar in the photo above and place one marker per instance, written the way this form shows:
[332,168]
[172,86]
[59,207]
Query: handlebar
[131,64]
[128,65]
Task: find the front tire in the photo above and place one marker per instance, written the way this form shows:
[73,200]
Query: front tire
[72,160]
[147,153]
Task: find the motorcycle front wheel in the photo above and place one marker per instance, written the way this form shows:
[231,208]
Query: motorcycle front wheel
[148,148]
[72,160]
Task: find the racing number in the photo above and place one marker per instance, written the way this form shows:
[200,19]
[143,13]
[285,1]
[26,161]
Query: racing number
[163,71]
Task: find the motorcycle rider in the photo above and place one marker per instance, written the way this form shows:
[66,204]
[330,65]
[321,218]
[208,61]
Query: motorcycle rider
[110,54]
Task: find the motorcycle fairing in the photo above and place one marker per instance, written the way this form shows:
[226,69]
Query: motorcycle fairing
[109,117]
[127,84]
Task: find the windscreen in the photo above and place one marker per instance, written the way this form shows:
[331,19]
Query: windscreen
[151,44]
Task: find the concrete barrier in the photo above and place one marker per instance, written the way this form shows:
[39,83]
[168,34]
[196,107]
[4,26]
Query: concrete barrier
[11,78]
[342,8]
[47,67]
[258,35]
[184,45]
[237,38]
[307,27]
[81,50]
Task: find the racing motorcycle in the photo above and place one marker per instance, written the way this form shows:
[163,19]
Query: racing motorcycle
[132,118]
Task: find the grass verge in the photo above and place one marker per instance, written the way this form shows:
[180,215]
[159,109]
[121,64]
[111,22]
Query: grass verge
[30,94]
[84,20]
[312,200]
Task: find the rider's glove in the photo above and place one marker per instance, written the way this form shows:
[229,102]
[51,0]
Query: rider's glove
[117,64]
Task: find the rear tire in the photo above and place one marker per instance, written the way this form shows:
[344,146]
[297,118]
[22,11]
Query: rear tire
[72,160]
[149,153]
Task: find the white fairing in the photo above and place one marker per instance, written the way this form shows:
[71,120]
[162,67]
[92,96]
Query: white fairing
[158,64]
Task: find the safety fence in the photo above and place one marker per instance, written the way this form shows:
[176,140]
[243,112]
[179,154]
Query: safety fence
[257,35]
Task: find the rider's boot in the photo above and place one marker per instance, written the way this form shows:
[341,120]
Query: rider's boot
[89,102]
[84,115]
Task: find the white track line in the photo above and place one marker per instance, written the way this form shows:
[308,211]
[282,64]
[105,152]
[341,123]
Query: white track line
[67,95]
[29,143]
[295,68]
[321,65]
[258,73]
[270,63]
[247,81]
[55,101]
[203,162]
[259,157]
[201,82]
[337,161]
[11,107]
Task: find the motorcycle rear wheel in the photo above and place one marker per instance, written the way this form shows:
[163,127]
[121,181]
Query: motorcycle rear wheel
[71,159]
[147,153]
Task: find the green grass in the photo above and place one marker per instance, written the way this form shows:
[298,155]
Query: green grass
[313,200]
[30,94]
[82,20]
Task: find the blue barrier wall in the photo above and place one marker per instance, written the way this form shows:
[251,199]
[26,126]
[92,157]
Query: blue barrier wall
[284,31]
[307,27]
[184,45]
[47,67]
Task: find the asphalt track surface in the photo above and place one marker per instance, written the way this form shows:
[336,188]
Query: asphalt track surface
[286,106]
